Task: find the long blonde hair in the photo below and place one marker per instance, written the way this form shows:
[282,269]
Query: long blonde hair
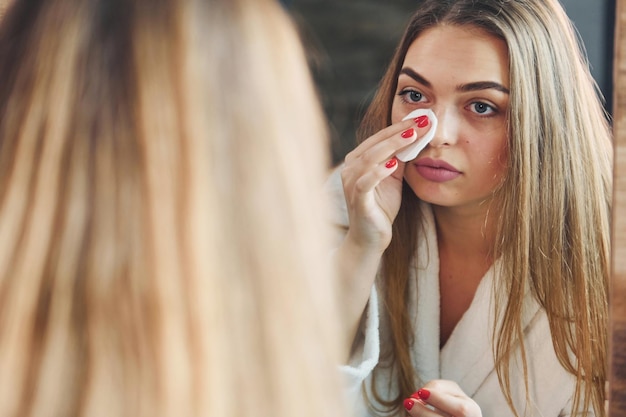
[161,243]
[554,206]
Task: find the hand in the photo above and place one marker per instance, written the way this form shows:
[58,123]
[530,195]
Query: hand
[441,398]
[372,182]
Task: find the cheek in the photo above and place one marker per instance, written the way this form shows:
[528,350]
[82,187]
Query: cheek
[503,157]
[396,113]
[501,150]
[399,109]
[487,150]
[496,158]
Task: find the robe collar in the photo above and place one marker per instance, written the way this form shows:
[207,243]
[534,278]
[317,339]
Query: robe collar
[467,357]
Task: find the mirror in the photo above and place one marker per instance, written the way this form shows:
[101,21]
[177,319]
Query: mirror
[617,361]
[368,30]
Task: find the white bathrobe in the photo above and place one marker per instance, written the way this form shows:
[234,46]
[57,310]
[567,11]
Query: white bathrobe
[467,357]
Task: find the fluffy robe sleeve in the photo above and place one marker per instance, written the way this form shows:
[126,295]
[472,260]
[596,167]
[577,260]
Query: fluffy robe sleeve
[366,352]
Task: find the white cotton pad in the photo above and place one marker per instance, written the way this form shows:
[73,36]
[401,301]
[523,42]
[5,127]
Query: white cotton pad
[411,152]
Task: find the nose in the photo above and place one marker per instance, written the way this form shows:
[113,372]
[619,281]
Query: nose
[447,127]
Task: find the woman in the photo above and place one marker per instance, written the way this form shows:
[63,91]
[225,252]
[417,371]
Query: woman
[490,250]
[161,254]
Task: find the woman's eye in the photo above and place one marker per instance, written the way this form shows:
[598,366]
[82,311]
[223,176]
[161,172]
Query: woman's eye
[482,108]
[411,96]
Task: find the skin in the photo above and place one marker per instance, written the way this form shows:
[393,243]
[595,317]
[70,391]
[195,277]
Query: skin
[471,135]
[461,73]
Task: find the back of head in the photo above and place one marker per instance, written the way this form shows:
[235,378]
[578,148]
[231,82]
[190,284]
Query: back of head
[161,243]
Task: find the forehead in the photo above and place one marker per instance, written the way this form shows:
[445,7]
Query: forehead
[460,53]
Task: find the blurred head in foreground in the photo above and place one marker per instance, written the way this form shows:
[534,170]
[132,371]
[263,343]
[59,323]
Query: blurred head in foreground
[161,243]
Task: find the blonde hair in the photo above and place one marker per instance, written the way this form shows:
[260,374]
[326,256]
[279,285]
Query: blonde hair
[162,248]
[553,207]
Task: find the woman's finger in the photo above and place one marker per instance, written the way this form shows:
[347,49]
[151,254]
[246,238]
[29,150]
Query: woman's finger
[391,139]
[362,183]
[447,398]
[380,136]
[418,408]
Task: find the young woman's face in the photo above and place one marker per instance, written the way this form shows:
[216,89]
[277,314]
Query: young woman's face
[462,74]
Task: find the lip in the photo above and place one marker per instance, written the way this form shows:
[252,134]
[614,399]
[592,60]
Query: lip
[436,170]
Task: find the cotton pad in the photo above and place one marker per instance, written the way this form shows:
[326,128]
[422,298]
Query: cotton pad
[411,152]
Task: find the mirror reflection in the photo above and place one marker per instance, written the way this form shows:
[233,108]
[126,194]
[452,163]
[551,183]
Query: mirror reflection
[478,271]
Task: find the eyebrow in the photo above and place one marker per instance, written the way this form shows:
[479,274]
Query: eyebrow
[475,86]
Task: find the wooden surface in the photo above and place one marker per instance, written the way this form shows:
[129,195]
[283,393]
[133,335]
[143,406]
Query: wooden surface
[617,374]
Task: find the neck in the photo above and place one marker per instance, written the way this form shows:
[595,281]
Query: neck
[466,233]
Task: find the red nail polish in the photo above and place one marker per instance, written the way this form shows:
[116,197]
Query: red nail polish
[422,121]
[391,163]
[408,404]
[423,394]
[407,134]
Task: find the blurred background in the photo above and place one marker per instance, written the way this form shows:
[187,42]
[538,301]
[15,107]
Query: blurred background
[350,42]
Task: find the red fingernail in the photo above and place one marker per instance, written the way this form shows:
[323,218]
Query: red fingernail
[423,394]
[422,121]
[391,163]
[408,404]
[407,134]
